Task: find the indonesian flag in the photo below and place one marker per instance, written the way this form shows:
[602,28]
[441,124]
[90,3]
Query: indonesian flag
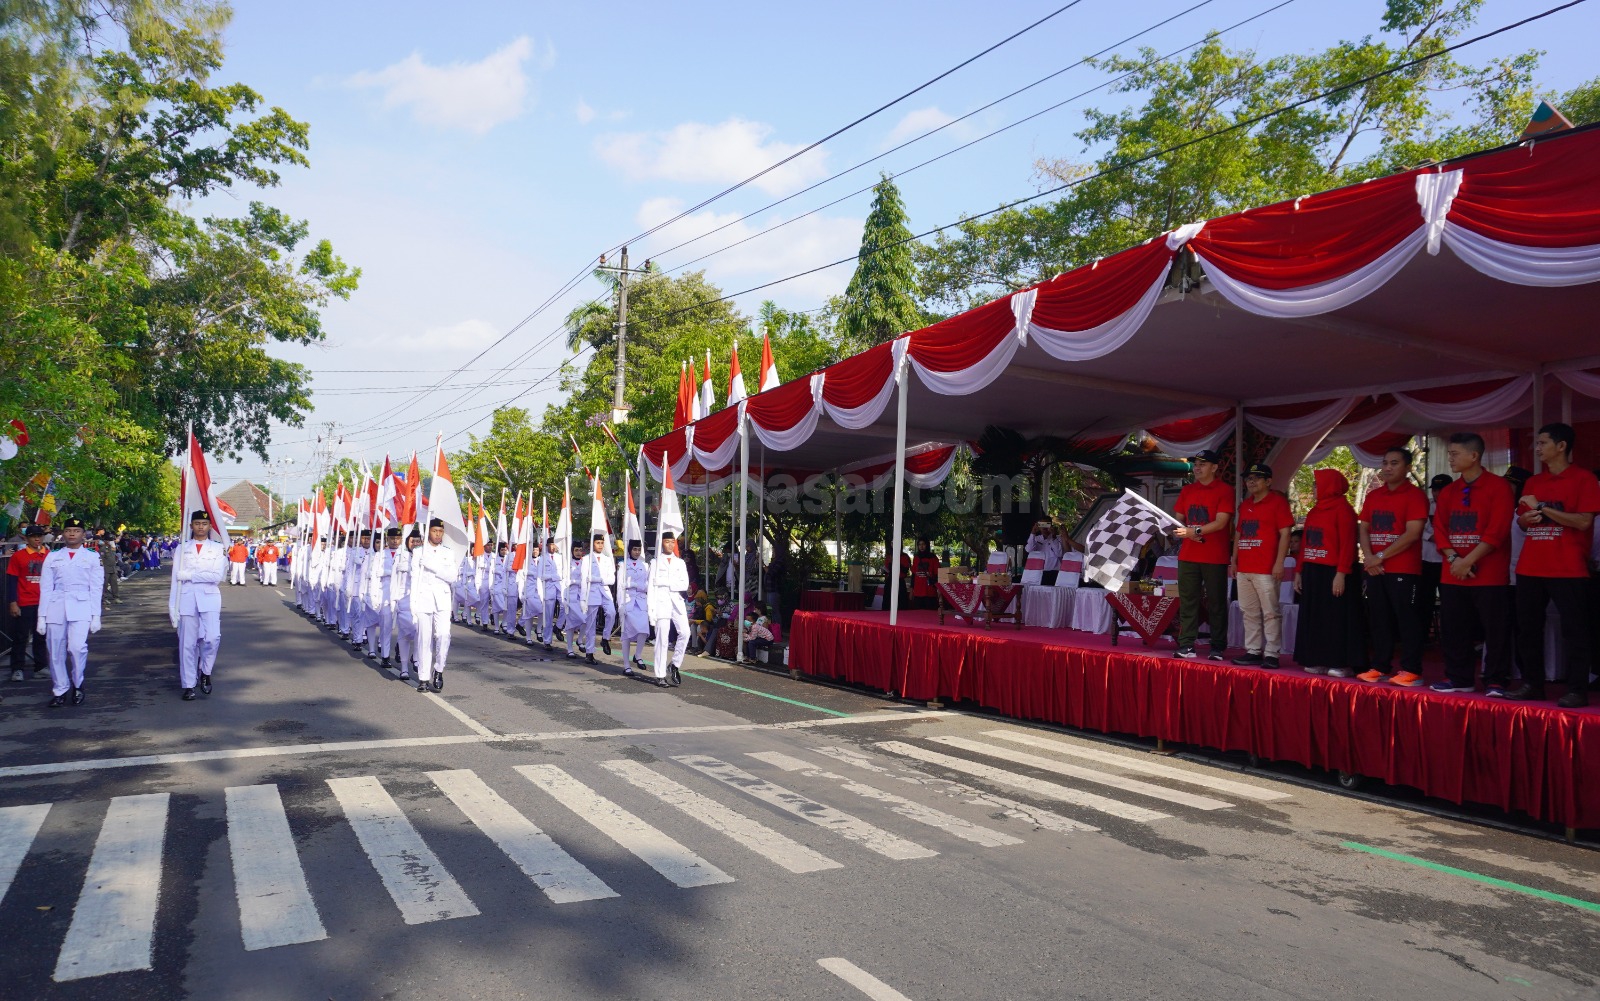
[563,534]
[521,524]
[500,533]
[631,531]
[708,393]
[319,517]
[480,530]
[197,493]
[697,407]
[598,522]
[406,494]
[442,503]
[385,504]
[684,412]
[372,493]
[769,368]
[736,391]
[671,519]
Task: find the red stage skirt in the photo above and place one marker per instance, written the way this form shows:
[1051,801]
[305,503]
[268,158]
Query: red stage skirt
[1526,757]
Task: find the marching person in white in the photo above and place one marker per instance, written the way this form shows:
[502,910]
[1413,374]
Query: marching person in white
[379,596]
[549,571]
[200,565]
[599,577]
[635,607]
[70,584]
[332,578]
[434,572]
[483,586]
[405,624]
[465,589]
[573,610]
[505,592]
[352,599]
[532,592]
[669,579]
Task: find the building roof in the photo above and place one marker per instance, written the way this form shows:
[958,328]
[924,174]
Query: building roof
[250,504]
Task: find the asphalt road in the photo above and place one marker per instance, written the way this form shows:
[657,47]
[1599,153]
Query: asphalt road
[550,830]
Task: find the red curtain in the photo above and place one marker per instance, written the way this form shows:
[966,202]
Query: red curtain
[1098,293]
[1541,194]
[965,339]
[1192,429]
[854,381]
[782,407]
[711,432]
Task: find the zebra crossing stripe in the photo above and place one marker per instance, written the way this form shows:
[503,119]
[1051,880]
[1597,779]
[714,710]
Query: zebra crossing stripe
[19,825]
[1042,819]
[657,850]
[1134,763]
[115,920]
[758,837]
[1037,787]
[1085,774]
[949,823]
[419,885]
[275,905]
[562,878]
[872,838]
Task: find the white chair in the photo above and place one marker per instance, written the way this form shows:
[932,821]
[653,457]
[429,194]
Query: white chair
[1071,572]
[1033,570]
[1166,568]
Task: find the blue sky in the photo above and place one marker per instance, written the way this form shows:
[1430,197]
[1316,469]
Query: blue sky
[471,158]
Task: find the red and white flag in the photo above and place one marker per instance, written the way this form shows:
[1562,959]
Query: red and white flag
[598,522]
[444,505]
[736,391]
[769,368]
[500,533]
[387,495]
[708,393]
[683,413]
[563,534]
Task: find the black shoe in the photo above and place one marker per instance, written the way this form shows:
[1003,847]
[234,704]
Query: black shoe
[1526,693]
[422,686]
[1573,700]
[58,702]
[205,684]
[605,644]
[78,696]
[1271,663]
[627,672]
[661,682]
[385,662]
[549,649]
[1185,652]
[677,679]
[438,681]
[1215,654]
[1247,659]
[189,695]
[590,658]
[558,634]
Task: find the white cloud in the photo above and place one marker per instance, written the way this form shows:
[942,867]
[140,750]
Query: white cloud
[697,153]
[474,97]
[584,113]
[452,339]
[799,246]
[915,123]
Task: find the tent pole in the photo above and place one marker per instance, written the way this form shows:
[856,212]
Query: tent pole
[705,544]
[1566,404]
[1238,456]
[899,497]
[838,529]
[1538,412]
[761,527]
[744,502]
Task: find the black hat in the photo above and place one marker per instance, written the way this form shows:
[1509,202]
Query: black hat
[599,536]
[393,532]
[33,531]
[366,531]
[1260,469]
[1440,482]
[1205,455]
[72,523]
[635,543]
[435,523]
[667,535]
[201,515]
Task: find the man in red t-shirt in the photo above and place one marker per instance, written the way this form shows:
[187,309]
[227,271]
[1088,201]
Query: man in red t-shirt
[22,594]
[1391,539]
[1205,507]
[1260,547]
[1557,510]
[1472,531]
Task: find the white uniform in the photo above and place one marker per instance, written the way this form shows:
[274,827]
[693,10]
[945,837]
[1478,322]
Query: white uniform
[483,585]
[532,593]
[332,577]
[635,607]
[573,613]
[200,567]
[70,585]
[465,589]
[549,573]
[380,583]
[505,593]
[355,621]
[405,625]
[599,577]
[668,581]
[434,572]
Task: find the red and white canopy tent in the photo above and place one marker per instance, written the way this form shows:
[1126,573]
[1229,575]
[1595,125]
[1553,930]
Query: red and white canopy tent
[1457,295]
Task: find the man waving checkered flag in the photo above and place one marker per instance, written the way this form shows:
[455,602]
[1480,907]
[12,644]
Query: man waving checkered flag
[1113,545]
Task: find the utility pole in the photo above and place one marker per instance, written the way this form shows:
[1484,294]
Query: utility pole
[619,408]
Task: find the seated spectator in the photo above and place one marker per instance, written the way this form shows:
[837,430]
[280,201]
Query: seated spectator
[757,631]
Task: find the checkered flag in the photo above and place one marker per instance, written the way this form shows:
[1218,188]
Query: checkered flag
[1112,547]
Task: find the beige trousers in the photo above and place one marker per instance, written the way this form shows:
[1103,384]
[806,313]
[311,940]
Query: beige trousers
[1263,624]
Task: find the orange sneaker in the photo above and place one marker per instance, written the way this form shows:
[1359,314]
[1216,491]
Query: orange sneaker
[1372,676]
[1405,679]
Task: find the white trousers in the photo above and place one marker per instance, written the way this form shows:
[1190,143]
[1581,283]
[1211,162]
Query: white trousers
[532,608]
[591,618]
[269,574]
[433,643]
[405,633]
[680,619]
[549,602]
[67,640]
[235,573]
[380,633]
[635,626]
[199,635]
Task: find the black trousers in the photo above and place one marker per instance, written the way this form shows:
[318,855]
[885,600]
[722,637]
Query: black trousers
[1467,612]
[1392,620]
[1202,583]
[1428,596]
[1571,598]
[22,627]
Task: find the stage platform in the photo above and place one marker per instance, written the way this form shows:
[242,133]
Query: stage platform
[1527,757]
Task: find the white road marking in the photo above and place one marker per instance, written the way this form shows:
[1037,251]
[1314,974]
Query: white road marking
[562,878]
[275,905]
[861,980]
[1085,774]
[419,885]
[949,823]
[115,920]
[394,743]
[868,836]
[1042,819]
[1049,790]
[757,837]
[19,825]
[468,721]
[1138,764]
[656,849]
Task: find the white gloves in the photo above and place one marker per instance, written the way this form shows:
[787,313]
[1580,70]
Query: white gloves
[94,624]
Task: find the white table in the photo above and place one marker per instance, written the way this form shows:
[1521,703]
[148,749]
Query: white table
[1047,606]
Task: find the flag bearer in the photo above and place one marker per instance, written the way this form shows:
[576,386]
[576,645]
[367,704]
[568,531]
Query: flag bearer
[71,582]
[434,571]
[200,566]
[599,577]
[635,607]
[669,579]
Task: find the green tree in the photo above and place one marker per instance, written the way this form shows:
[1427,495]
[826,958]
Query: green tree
[880,303]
